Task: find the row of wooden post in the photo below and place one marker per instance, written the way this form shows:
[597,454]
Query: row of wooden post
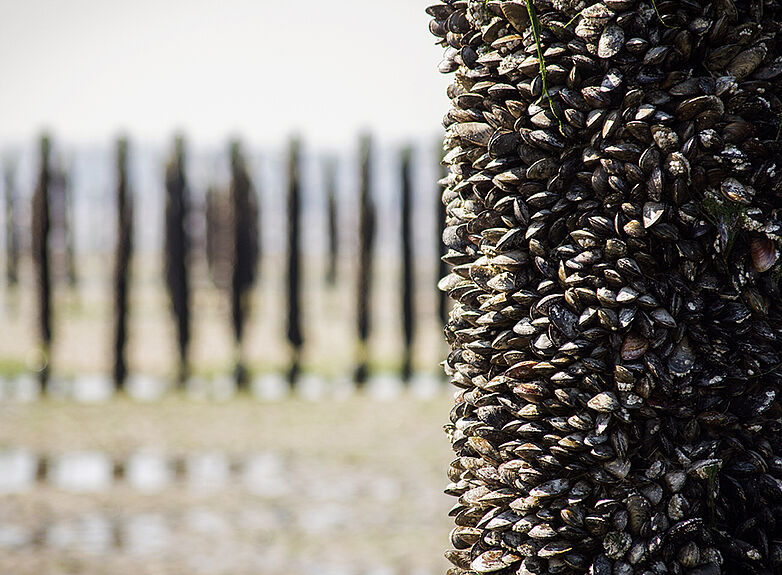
[240,219]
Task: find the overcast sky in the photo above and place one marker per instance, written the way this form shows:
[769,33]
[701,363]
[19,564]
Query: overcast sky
[87,69]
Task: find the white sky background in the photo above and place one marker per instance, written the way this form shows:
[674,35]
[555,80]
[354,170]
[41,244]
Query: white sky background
[261,69]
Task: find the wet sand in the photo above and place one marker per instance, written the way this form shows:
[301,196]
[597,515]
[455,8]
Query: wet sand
[336,486]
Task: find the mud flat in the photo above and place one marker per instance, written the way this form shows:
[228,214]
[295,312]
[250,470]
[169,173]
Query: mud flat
[338,486]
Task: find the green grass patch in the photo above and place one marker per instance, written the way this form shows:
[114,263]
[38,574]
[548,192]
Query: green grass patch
[12,367]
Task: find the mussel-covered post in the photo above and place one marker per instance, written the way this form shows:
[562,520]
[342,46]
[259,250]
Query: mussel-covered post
[293,275]
[244,258]
[408,264]
[442,265]
[177,248]
[332,222]
[613,218]
[122,256]
[11,226]
[366,236]
[41,260]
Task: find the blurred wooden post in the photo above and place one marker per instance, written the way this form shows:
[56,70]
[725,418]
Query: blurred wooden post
[69,229]
[214,237]
[40,247]
[294,331]
[408,266]
[123,253]
[333,230]
[244,258]
[176,253]
[11,228]
[366,236]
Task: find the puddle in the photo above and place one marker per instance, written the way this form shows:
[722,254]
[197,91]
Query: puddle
[91,534]
[270,387]
[97,388]
[384,387]
[96,534]
[223,388]
[93,388]
[207,522]
[264,475]
[340,487]
[197,388]
[325,518]
[265,519]
[342,387]
[58,388]
[145,388]
[207,471]
[60,535]
[312,388]
[82,471]
[426,385]
[145,534]
[14,537]
[17,470]
[23,388]
[148,471]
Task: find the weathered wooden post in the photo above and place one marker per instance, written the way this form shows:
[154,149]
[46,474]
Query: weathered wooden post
[177,248]
[41,260]
[613,218]
[69,230]
[214,232]
[293,271]
[122,262]
[332,223]
[366,236]
[11,226]
[408,265]
[244,258]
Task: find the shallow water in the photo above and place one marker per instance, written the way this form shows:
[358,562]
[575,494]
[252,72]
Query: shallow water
[148,471]
[347,485]
[96,388]
[17,469]
[81,471]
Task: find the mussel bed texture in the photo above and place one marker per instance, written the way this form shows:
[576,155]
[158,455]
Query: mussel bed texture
[613,231]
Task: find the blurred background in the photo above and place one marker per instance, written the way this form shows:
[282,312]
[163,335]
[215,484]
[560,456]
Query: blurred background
[219,250]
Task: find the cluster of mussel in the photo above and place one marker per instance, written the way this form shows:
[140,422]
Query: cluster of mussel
[616,338]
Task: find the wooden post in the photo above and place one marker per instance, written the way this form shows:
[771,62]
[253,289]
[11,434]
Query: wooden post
[244,260]
[11,227]
[408,266]
[366,236]
[41,260]
[176,253]
[333,229]
[122,260]
[294,330]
